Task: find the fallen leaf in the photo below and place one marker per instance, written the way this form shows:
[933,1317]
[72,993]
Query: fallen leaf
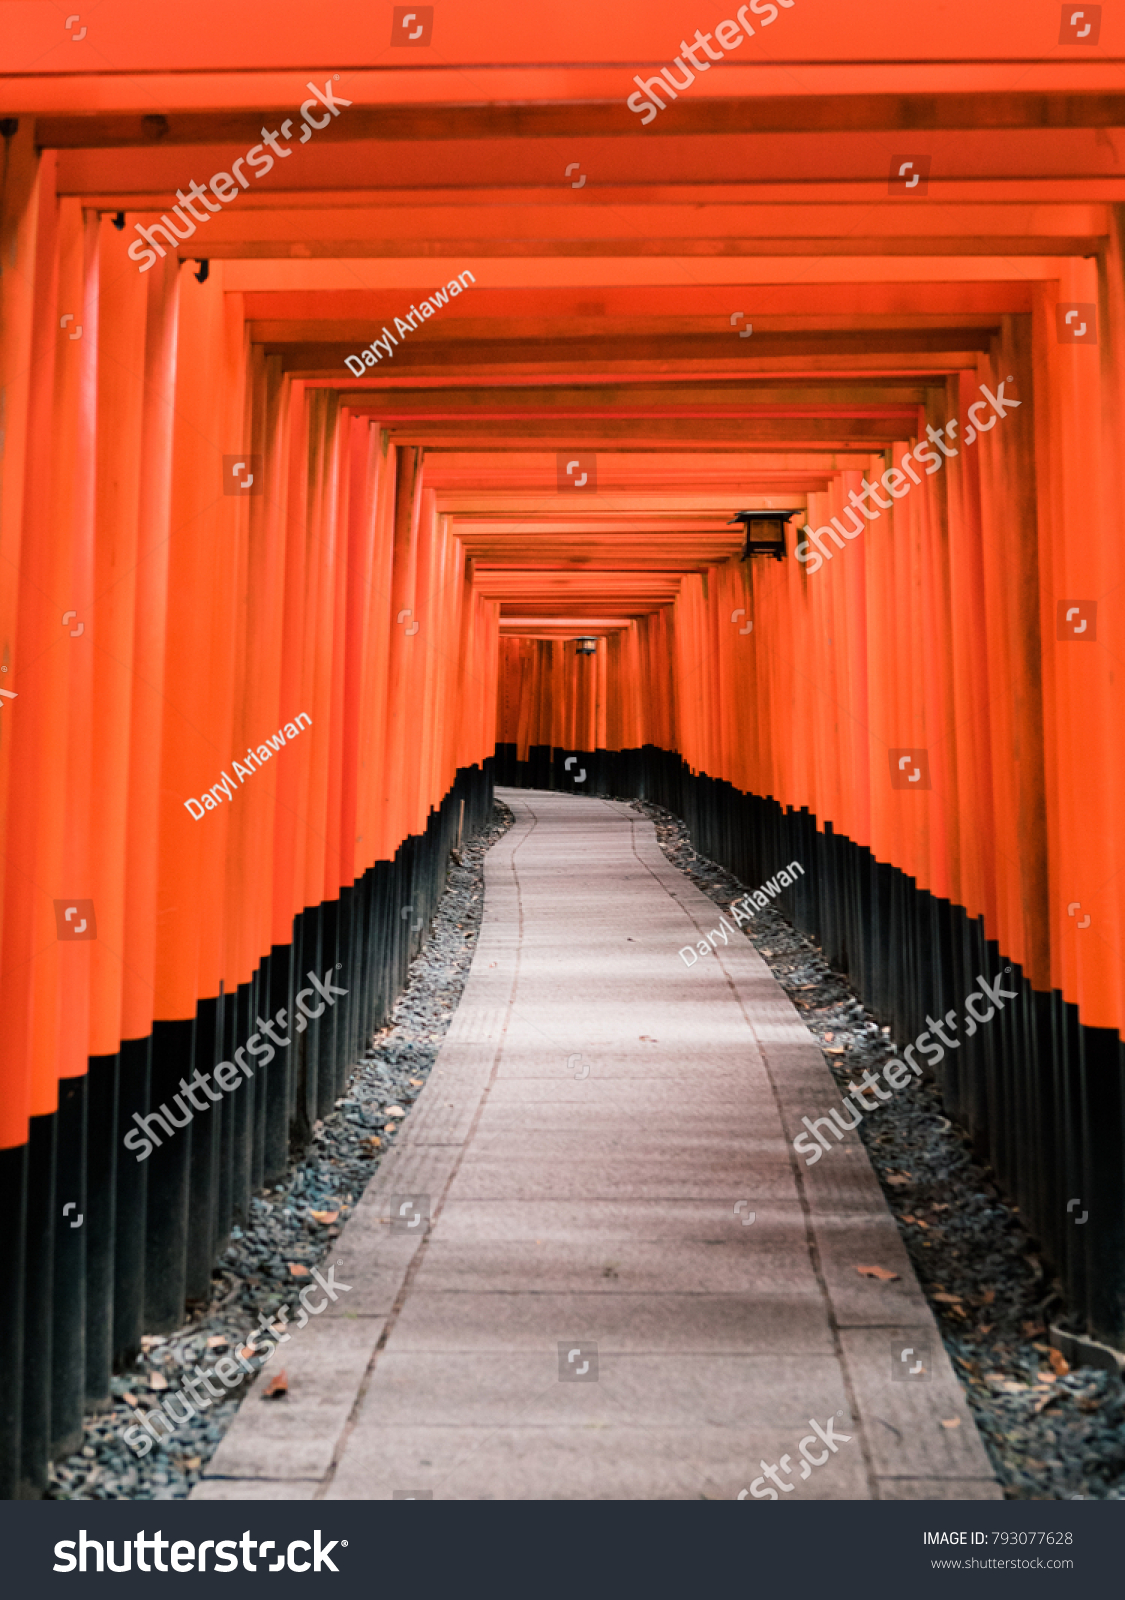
[324,1216]
[985,1327]
[129,1399]
[951,1422]
[217,1341]
[248,1352]
[394,1111]
[416,1083]
[898,1177]
[947,1299]
[1030,1329]
[1059,1363]
[828,1038]
[988,1297]
[278,1386]
[157,1380]
[190,1463]
[939,1206]
[877,1272]
[298,1269]
[1041,1405]
[834,1050]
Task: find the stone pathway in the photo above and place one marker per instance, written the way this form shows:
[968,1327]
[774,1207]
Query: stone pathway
[589,1312]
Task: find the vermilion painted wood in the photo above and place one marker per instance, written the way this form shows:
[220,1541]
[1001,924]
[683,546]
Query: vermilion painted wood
[428,490]
[113,601]
[28,914]
[147,709]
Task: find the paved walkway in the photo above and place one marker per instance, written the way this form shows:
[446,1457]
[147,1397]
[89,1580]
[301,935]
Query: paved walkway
[591,1314]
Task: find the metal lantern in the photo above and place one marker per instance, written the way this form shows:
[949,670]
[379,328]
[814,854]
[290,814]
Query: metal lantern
[586,647]
[770,524]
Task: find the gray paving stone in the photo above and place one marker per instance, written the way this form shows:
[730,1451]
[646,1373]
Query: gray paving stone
[668,1098]
[914,1429]
[588,1223]
[255,1489]
[744,1261]
[609,1208]
[294,1438]
[755,1323]
[519,1177]
[939,1489]
[497,1389]
[613,1462]
[845,1243]
[605,1104]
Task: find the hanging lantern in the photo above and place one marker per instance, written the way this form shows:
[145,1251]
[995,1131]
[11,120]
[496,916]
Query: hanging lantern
[771,525]
[586,647]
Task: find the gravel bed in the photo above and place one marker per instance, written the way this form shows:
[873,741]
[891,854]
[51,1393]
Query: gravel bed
[1052,1432]
[291,1227]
